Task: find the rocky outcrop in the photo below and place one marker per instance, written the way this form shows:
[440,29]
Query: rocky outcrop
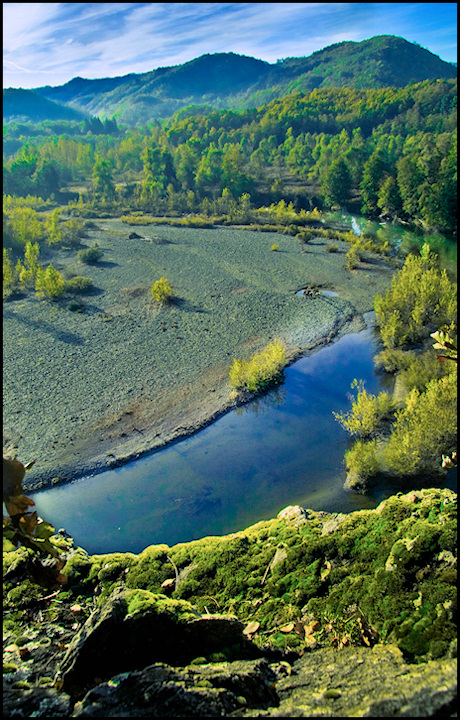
[134,628]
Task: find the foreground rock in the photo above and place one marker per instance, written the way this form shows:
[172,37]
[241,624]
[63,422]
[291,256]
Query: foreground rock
[135,627]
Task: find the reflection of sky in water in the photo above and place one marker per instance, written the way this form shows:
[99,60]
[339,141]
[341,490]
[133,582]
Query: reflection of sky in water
[284,448]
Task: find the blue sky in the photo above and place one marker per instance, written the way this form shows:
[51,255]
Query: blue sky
[50,43]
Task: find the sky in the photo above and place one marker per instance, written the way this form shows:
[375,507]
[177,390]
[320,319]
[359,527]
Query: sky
[51,43]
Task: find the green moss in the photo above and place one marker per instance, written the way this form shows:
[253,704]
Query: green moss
[141,601]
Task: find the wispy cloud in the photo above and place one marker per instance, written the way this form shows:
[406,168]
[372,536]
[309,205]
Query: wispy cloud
[49,43]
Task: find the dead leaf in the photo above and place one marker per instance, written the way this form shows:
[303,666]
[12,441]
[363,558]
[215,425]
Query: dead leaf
[287,628]
[13,473]
[168,582]
[251,628]
[311,627]
[29,522]
[17,504]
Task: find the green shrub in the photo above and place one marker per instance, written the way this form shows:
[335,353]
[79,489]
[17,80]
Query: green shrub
[161,290]
[393,359]
[366,413]
[260,371]
[421,299]
[91,255]
[49,283]
[331,248]
[79,285]
[362,462]
[275,247]
[353,258]
[424,429]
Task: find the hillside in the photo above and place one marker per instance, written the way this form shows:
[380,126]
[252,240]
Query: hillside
[237,81]
[28,105]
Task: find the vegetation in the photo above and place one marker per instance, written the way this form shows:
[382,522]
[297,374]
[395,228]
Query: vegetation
[161,290]
[260,371]
[49,283]
[424,429]
[91,255]
[367,412]
[421,299]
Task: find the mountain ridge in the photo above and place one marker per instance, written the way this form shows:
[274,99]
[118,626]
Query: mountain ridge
[230,80]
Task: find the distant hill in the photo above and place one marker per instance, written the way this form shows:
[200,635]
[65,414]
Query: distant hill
[237,81]
[22,105]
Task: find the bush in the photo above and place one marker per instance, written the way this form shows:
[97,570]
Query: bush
[91,255]
[332,248]
[420,300]
[79,285]
[424,430]
[362,462]
[161,290]
[275,247]
[366,413]
[260,371]
[49,283]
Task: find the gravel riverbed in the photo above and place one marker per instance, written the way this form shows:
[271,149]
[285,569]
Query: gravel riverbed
[84,391]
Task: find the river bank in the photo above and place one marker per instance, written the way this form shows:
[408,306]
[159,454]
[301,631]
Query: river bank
[126,377]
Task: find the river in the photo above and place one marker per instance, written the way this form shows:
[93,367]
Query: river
[282,449]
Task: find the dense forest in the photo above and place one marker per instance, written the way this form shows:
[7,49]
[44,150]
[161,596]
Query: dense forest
[387,152]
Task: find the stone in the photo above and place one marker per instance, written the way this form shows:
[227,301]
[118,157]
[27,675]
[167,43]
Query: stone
[365,682]
[198,691]
[135,628]
[294,515]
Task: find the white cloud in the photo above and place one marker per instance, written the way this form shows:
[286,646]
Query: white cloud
[49,43]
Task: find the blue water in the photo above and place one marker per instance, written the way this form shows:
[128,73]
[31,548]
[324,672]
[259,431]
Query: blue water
[285,448]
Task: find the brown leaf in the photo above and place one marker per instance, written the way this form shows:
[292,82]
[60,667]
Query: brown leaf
[17,504]
[29,522]
[287,628]
[251,628]
[311,627]
[13,473]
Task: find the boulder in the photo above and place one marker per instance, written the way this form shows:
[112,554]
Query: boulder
[163,691]
[135,628]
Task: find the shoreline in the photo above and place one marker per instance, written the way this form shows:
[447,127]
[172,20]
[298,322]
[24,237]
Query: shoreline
[134,444]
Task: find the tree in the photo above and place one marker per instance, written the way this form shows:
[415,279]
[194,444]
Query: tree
[421,298]
[102,179]
[373,172]
[28,271]
[389,200]
[49,283]
[337,183]
[23,226]
[54,232]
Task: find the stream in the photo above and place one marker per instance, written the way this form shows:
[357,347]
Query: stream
[284,448]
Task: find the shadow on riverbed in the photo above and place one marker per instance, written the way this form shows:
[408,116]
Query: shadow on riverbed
[67,337]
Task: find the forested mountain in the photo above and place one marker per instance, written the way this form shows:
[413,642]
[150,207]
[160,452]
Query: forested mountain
[29,105]
[228,80]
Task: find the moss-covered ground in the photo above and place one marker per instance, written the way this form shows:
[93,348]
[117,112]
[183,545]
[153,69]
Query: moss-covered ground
[303,580]
[128,374]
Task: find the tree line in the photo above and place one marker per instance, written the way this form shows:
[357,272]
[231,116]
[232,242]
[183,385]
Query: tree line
[389,152]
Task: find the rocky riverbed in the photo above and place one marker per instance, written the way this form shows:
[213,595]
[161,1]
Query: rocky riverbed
[84,391]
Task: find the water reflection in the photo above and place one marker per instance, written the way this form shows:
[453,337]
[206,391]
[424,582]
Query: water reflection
[275,398]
